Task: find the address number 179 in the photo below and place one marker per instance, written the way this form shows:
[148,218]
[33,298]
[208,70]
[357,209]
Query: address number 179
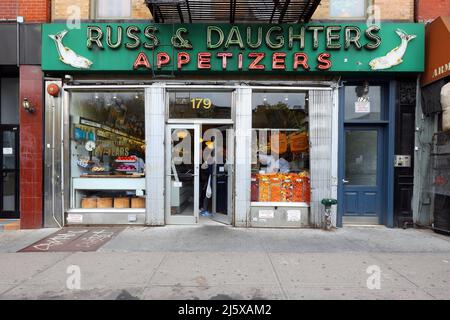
[201,103]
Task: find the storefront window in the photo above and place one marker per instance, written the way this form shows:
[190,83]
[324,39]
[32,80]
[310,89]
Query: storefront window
[363,102]
[280,147]
[107,150]
[9,91]
[348,8]
[199,104]
[112,9]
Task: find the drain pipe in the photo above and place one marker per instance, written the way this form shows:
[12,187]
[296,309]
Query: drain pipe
[53,108]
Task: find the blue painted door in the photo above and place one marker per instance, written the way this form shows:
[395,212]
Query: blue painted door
[362,175]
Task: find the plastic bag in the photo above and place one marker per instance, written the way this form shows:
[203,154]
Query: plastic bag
[208,188]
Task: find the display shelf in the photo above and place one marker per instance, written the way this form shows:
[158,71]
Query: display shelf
[90,123]
[97,183]
[126,171]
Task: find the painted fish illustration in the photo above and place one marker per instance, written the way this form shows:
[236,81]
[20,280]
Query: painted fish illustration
[67,55]
[393,57]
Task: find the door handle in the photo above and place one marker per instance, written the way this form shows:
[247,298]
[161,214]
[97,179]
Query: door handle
[345,181]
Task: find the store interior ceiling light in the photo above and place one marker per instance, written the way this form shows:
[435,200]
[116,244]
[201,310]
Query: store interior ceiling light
[181,134]
[232,11]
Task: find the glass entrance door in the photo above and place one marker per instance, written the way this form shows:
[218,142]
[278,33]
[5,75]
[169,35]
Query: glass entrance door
[9,188]
[222,178]
[182,174]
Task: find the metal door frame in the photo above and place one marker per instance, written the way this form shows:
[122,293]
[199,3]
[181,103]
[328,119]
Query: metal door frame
[16,213]
[388,100]
[167,172]
[228,218]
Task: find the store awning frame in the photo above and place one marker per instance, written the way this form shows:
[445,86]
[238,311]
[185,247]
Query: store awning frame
[232,11]
[437,51]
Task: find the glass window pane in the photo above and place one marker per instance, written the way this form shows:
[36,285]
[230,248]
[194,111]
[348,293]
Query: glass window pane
[280,147]
[9,150]
[363,103]
[9,100]
[107,149]
[199,104]
[113,9]
[279,110]
[361,156]
[182,172]
[9,191]
[347,8]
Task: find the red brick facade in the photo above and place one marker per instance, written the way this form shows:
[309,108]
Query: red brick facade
[31,10]
[428,10]
[9,9]
[31,142]
[31,124]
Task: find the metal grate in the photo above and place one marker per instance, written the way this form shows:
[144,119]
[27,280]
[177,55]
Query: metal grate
[232,11]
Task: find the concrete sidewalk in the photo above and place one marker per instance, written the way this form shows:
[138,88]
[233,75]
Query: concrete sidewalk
[212,261]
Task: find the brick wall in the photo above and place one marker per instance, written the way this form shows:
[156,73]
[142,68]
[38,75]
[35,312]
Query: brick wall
[390,9]
[60,12]
[9,9]
[59,9]
[31,10]
[428,10]
[35,10]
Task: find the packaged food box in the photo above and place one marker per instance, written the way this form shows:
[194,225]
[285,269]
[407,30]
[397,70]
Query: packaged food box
[264,187]
[121,203]
[89,203]
[297,189]
[275,188]
[286,188]
[104,202]
[138,202]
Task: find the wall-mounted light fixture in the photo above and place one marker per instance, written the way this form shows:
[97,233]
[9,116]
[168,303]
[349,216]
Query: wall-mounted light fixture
[27,105]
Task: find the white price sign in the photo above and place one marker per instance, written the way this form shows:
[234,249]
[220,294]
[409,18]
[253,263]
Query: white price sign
[362,107]
[7,150]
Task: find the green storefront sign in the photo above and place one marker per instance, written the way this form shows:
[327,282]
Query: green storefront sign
[206,48]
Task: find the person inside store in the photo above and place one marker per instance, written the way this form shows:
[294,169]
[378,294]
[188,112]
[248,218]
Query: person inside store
[274,162]
[208,167]
[139,161]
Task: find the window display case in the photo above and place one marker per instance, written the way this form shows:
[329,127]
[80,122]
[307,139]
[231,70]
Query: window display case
[107,150]
[280,149]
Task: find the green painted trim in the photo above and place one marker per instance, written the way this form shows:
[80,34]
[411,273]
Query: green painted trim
[347,55]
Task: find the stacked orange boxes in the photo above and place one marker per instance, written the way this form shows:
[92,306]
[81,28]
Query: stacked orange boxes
[264,187]
[275,188]
[297,186]
[286,188]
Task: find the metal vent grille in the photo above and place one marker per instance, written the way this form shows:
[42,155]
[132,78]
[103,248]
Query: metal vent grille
[232,11]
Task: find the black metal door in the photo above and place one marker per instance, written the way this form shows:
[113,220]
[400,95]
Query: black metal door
[9,164]
[404,146]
